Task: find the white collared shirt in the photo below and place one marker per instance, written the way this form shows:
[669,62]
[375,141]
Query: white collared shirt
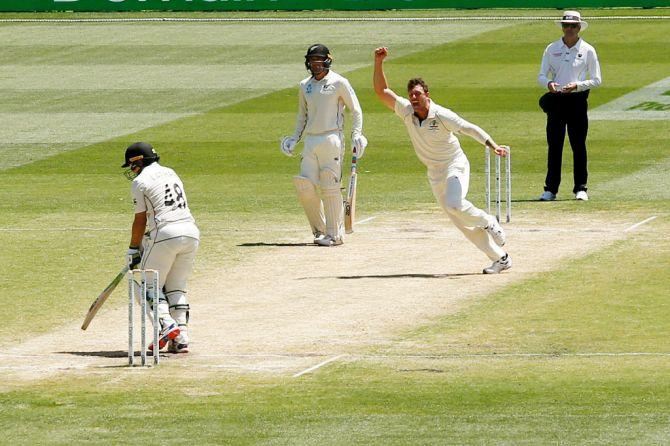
[159,192]
[321,106]
[434,138]
[563,65]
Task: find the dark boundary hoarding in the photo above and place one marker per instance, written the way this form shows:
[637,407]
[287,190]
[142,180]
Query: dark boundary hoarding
[298,5]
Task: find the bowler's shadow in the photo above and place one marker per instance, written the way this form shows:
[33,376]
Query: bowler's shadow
[395,276]
[251,244]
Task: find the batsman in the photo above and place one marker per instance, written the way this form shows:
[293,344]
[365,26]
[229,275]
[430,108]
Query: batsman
[432,130]
[164,237]
[322,98]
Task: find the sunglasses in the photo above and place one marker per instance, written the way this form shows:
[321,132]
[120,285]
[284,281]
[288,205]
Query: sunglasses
[569,25]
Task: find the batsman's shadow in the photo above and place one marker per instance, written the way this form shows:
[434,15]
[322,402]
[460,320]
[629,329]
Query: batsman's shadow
[394,276]
[252,244]
[102,353]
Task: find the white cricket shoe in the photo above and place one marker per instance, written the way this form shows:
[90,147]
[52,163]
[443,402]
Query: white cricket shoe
[547,196]
[329,241]
[500,265]
[318,236]
[496,231]
[582,196]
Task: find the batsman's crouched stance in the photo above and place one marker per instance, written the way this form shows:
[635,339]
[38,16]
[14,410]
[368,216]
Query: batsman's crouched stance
[169,239]
[322,99]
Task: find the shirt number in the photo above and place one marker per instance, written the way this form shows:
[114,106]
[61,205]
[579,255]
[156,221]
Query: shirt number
[174,197]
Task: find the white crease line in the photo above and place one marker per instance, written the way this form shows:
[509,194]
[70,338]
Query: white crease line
[48,368]
[636,225]
[58,229]
[510,355]
[259,355]
[321,364]
[365,220]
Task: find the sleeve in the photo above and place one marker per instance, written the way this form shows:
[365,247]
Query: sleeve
[543,78]
[456,124]
[301,118]
[138,197]
[402,107]
[348,95]
[593,67]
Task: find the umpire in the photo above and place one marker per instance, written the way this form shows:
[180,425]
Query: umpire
[569,70]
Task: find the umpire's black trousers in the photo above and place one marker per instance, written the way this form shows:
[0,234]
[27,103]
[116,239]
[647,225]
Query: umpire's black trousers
[568,110]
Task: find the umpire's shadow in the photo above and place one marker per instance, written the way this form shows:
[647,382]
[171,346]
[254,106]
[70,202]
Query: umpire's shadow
[394,276]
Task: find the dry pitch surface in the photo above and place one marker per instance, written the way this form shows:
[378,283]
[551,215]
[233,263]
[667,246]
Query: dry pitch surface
[289,305]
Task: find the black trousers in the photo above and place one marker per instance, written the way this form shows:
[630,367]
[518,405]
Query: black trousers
[568,111]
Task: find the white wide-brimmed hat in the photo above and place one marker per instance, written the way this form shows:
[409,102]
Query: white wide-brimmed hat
[573,17]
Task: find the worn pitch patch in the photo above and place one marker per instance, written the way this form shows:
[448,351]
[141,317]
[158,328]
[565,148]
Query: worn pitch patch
[274,312]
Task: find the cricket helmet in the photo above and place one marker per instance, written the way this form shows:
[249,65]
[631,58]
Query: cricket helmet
[140,151]
[318,50]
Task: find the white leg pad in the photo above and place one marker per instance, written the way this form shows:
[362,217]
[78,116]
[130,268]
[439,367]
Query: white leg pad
[179,310]
[311,203]
[332,204]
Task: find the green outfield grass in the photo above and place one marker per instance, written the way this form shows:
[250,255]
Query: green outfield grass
[215,112]
[452,401]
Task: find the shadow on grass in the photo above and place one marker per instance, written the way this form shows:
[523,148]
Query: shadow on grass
[535,200]
[274,244]
[395,276]
[105,353]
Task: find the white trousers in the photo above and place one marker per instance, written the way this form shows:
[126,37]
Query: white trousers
[322,165]
[450,186]
[173,258]
[322,153]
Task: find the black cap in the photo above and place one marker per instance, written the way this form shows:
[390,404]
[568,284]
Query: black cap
[140,151]
[318,50]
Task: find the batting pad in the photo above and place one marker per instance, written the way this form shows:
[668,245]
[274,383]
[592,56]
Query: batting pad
[311,203]
[332,204]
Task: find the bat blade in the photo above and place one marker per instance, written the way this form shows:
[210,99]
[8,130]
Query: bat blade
[350,205]
[97,303]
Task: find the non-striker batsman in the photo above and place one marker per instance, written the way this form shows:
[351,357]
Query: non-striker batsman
[164,238]
[322,98]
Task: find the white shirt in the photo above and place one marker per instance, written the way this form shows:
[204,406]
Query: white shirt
[564,65]
[434,138]
[159,192]
[321,106]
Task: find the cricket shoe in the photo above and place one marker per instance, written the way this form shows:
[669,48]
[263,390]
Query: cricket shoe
[496,231]
[168,332]
[500,265]
[318,236]
[180,343]
[329,241]
[177,347]
[547,196]
[582,196]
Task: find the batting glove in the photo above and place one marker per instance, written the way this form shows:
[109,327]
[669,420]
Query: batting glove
[133,257]
[287,145]
[359,142]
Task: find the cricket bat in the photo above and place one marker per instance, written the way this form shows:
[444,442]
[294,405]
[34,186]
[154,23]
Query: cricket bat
[97,303]
[350,203]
